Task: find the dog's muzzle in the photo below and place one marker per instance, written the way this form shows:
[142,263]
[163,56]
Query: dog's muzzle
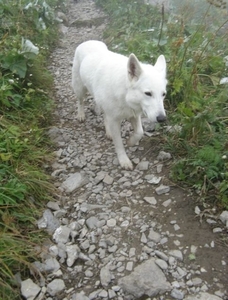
[161,118]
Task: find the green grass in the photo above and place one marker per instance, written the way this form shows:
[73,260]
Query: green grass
[193,37]
[25,115]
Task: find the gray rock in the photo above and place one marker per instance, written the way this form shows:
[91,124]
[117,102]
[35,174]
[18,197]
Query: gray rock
[167,202]
[162,264]
[154,179]
[177,254]
[89,273]
[92,222]
[51,265]
[176,227]
[72,254]
[105,276]
[111,223]
[150,200]
[143,166]
[161,255]
[132,252]
[111,294]
[85,245]
[224,217]
[162,189]
[55,286]
[29,289]
[103,294]
[177,294]
[80,296]
[181,272]
[60,213]
[146,279]
[61,235]
[53,205]
[197,210]
[202,296]
[129,266]
[143,238]
[94,294]
[73,182]
[48,221]
[154,236]
[159,168]
[108,179]
[197,281]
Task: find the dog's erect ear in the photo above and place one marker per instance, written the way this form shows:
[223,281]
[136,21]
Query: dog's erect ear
[133,67]
[160,64]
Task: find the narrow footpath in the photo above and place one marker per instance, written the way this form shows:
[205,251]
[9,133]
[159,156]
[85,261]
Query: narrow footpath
[118,234]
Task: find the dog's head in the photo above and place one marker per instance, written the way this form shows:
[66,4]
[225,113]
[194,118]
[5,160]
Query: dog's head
[147,88]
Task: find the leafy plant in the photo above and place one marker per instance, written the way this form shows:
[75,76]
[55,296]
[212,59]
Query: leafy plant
[27,33]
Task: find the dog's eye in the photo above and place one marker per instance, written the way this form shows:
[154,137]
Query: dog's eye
[164,94]
[148,94]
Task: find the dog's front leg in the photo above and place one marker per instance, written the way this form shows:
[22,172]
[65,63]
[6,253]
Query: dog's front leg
[113,127]
[138,130]
[81,112]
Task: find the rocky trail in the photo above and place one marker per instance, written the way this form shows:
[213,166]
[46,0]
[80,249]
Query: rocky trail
[117,234]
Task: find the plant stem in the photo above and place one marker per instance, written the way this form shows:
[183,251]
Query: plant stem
[162,23]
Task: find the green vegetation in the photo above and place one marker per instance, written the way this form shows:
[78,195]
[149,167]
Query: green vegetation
[27,34]
[193,37]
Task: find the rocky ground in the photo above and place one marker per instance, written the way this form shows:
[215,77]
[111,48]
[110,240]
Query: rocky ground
[118,234]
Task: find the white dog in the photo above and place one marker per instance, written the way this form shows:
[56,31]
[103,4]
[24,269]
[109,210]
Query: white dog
[122,87]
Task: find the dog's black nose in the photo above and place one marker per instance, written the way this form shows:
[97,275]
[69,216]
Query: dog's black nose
[161,118]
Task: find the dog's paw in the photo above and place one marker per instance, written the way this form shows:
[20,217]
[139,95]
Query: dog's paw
[81,117]
[125,163]
[108,136]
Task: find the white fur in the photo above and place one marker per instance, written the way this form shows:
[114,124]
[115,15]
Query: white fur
[122,87]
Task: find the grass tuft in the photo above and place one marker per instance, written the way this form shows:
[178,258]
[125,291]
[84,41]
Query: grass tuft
[28,32]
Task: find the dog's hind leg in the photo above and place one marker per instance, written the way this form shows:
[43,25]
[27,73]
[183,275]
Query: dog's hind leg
[81,111]
[107,129]
[114,126]
[79,90]
[138,130]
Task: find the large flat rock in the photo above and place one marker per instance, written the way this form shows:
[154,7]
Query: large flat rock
[146,279]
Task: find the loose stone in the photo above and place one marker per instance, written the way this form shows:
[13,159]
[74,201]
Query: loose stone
[111,223]
[105,276]
[150,200]
[162,264]
[29,289]
[154,236]
[55,286]
[162,189]
[61,235]
[177,254]
[177,294]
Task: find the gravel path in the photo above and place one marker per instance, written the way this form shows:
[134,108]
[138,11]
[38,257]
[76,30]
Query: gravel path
[118,234]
